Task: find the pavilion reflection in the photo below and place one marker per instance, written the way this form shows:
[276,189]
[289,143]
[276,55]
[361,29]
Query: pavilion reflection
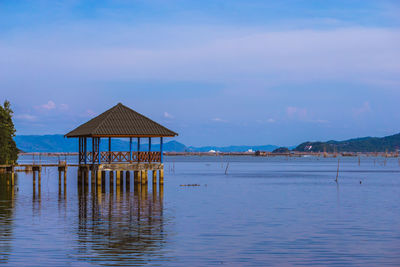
[120,224]
[7,207]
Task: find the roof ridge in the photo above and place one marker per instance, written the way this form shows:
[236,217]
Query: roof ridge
[110,111]
[148,118]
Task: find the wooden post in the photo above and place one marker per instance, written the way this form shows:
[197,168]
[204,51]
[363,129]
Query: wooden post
[86,179]
[103,178]
[149,144]
[65,179]
[154,176]
[118,178]
[99,178]
[127,180]
[34,183]
[85,149]
[80,150]
[79,176]
[130,149]
[121,178]
[136,177]
[138,149]
[93,178]
[109,149]
[161,150]
[111,182]
[161,176]
[39,182]
[143,174]
[98,151]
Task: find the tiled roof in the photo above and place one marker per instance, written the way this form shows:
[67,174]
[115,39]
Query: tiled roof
[121,121]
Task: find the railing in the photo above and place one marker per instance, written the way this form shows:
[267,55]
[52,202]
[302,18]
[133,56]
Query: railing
[121,156]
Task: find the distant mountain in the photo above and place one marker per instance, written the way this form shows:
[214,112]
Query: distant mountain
[57,143]
[365,144]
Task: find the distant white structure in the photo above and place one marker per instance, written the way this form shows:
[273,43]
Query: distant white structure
[212,151]
[250,150]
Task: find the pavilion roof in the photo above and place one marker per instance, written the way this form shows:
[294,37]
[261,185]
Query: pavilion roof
[121,121]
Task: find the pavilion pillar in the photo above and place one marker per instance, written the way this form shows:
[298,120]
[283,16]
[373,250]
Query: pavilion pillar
[130,149]
[85,149]
[98,151]
[154,176]
[138,149]
[93,149]
[80,150]
[109,149]
[161,176]
[136,177]
[149,144]
[161,149]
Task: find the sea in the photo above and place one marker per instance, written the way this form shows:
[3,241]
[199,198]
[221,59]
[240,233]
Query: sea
[211,210]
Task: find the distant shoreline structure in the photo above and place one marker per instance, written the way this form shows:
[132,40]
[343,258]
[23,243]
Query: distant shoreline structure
[254,154]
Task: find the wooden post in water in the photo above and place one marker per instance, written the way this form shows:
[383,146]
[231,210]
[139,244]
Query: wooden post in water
[34,183]
[161,176]
[136,177]
[154,176]
[121,178]
[118,180]
[144,178]
[127,180]
[103,178]
[111,182]
[98,178]
[65,181]
[39,182]
[93,178]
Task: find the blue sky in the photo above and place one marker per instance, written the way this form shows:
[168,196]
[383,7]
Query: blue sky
[217,72]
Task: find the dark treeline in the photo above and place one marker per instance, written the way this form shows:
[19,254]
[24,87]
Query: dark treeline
[8,148]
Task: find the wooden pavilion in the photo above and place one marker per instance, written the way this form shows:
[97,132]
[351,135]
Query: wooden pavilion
[120,122]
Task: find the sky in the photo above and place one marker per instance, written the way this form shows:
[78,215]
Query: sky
[238,72]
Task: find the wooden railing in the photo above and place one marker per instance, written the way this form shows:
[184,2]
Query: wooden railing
[122,156]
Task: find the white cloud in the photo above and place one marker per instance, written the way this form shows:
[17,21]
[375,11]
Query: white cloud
[271,120]
[48,106]
[219,120]
[346,54]
[26,117]
[296,112]
[64,107]
[365,108]
[168,115]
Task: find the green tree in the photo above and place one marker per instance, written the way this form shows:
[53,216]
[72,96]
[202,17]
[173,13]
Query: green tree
[8,148]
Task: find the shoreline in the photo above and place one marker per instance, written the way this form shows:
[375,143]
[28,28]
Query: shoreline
[254,154]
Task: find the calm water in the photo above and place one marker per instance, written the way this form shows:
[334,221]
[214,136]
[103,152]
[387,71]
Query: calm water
[265,211]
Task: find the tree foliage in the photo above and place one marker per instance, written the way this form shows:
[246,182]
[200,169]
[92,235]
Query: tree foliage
[8,148]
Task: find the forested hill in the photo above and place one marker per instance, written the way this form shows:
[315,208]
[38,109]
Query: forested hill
[365,144]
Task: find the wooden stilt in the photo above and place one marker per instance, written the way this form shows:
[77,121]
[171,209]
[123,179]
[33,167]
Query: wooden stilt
[154,176]
[143,174]
[65,180]
[161,176]
[127,180]
[118,180]
[111,182]
[98,178]
[136,177]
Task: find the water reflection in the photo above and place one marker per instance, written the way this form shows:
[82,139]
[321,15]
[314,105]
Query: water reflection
[117,226]
[7,197]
